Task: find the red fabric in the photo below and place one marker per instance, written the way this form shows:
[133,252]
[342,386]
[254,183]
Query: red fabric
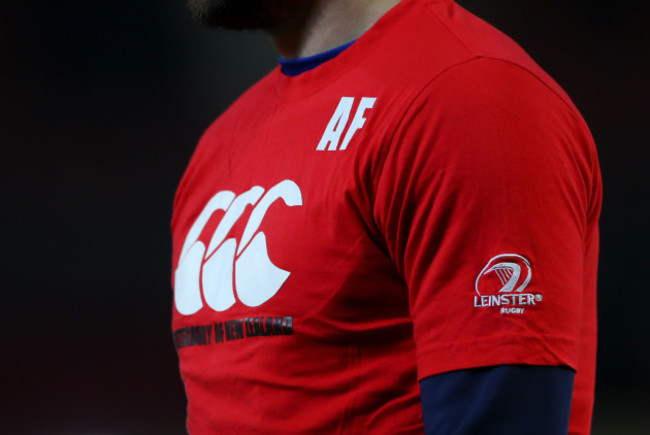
[468,151]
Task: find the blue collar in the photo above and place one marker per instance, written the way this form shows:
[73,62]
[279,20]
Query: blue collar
[294,67]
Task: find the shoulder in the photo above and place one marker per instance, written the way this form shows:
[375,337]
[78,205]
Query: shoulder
[485,100]
[489,86]
[488,120]
[257,99]
[436,38]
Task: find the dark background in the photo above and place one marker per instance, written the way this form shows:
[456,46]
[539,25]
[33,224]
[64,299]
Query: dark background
[101,104]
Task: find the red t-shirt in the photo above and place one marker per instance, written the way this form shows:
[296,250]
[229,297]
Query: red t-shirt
[425,202]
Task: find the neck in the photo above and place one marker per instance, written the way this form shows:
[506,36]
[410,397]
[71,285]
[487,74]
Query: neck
[325,24]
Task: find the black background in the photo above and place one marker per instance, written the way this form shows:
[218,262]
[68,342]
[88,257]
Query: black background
[101,105]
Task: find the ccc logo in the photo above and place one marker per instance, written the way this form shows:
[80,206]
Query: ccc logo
[226,265]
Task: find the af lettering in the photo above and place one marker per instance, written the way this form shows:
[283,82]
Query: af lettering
[339,122]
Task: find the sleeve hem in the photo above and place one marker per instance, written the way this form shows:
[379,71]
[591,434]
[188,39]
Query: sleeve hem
[545,350]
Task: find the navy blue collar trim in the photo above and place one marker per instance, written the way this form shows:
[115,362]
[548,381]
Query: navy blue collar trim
[294,67]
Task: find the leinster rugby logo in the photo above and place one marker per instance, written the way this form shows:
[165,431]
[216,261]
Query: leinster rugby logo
[502,283]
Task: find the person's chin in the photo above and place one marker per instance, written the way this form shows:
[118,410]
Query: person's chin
[233,14]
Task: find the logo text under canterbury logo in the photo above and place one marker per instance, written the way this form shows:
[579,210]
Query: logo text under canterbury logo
[339,122]
[227,265]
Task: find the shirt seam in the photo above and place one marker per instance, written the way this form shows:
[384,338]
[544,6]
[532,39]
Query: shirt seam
[571,108]
[433,350]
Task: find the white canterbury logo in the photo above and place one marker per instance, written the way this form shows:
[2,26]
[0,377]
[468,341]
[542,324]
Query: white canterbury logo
[256,278]
[339,122]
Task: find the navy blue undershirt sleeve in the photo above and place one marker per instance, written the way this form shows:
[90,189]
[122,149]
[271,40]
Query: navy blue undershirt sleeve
[503,400]
[294,67]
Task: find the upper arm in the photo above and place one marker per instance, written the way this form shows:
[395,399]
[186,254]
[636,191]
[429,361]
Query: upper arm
[490,176]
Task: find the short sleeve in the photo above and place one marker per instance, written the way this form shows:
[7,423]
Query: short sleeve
[487,198]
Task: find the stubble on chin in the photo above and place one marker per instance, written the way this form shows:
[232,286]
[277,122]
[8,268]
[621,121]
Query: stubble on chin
[242,14]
